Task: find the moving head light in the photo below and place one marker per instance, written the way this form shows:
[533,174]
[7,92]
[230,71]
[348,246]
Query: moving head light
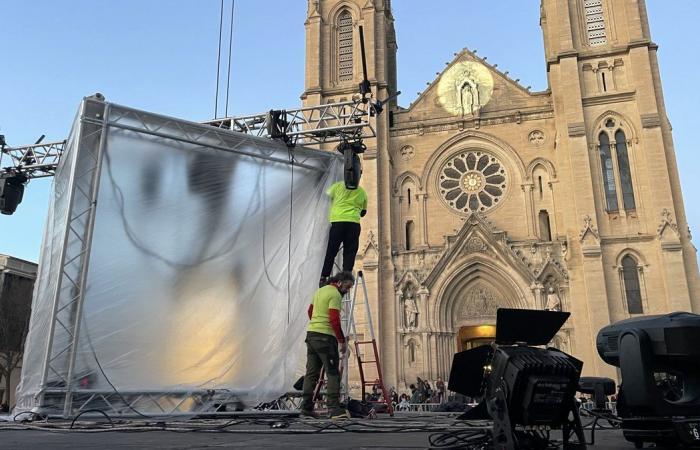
[353,167]
[659,361]
[526,390]
[11,193]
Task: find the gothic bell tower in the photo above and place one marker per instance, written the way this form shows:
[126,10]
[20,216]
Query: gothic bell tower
[631,249]
[333,59]
[333,74]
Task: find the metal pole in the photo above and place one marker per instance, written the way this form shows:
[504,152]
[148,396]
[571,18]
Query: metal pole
[87,245]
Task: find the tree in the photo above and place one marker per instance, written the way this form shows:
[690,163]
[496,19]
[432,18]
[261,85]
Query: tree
[15,308]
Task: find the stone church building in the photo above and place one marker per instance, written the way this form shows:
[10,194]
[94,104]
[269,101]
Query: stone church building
[484,194]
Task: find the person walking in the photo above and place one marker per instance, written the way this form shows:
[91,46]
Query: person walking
[347,207]
[323,337]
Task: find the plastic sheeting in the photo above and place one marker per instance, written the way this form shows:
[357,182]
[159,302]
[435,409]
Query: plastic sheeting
[202,253]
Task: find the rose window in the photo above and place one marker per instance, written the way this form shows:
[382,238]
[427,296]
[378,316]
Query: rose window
[472,181]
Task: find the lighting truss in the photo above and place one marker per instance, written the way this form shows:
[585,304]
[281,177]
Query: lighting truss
[310,126]
[33,161]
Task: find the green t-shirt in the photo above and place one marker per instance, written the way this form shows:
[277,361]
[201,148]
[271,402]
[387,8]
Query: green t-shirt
[327,297]
[346,204]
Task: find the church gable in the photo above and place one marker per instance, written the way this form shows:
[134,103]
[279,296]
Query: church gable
[477,237]
[469,86]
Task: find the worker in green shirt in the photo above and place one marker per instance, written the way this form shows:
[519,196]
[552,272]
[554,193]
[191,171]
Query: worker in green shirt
[347,206]
[323,336]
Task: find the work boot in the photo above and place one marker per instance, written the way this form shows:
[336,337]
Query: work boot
[339,414]
[307,414]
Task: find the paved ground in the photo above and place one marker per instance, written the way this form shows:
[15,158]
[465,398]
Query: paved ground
[401,432]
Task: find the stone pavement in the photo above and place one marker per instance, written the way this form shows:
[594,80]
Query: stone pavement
[405,431]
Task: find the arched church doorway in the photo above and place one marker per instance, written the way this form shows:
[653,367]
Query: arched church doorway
[472,336]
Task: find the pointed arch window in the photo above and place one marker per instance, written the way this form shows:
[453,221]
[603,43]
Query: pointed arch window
[606,164]
[345,46]
[632,286]
[623,163]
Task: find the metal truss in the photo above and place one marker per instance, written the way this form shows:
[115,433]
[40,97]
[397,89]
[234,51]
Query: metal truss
[312,125]
[148,403]
[309,126]
[60,391]
[80,191]
[33,161]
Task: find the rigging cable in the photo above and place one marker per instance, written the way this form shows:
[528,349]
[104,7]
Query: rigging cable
[218,61]
[230,45]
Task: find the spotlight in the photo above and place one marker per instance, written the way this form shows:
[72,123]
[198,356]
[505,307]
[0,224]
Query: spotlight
[658,357]
[353,166]
[598,388]
[526,390]
[11,193]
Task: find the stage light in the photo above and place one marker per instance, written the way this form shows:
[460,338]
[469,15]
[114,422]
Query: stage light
[353,165]
[659,361]
[11,193]
[523,389]
[598,388]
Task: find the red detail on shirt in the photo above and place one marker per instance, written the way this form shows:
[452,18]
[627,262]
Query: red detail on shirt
[334,319]
[311,310]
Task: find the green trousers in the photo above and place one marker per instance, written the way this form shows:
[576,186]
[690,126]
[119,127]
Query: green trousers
[321,351]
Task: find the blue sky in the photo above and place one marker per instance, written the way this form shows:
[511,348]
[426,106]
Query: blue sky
[161,56]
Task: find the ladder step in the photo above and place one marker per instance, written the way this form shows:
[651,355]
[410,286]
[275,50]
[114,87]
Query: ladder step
[367,362]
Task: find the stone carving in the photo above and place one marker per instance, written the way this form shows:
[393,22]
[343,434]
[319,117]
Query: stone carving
[313,8]
[667,221]
[588,227]
[467,91]
[553,300]
[475,244]
[407,152]
[480,302]
[411,310]
[536,137]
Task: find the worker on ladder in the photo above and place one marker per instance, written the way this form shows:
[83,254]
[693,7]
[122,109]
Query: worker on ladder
[324,335]
[347,207]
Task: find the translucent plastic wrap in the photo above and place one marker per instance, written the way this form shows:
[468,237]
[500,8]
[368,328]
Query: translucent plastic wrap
[177,264]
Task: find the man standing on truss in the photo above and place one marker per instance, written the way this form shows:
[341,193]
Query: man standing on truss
[323,336]
[347,207]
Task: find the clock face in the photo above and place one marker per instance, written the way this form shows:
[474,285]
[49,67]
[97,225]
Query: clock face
[465,87]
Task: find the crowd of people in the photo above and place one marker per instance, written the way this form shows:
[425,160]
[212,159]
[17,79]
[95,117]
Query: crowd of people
[420,392]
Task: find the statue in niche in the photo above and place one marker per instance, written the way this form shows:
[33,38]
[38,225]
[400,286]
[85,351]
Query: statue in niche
[411,309]
[467,91]
[553,300]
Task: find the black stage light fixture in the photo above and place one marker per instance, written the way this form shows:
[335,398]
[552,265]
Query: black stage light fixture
[525,390]
[598,388]
[11,193]
[659,361]
[353,167]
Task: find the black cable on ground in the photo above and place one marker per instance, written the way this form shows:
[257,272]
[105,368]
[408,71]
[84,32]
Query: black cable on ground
[470,439]
[88,411]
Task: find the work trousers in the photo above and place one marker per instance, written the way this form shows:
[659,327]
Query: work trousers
[348,234]
[321,351]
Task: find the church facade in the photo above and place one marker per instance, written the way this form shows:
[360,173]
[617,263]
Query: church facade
[483,194]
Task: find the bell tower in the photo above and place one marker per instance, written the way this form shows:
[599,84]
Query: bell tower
[333,56]
[333,74]
[615,154]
